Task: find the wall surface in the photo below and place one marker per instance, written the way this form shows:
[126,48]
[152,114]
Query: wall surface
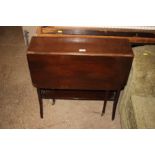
[28,32]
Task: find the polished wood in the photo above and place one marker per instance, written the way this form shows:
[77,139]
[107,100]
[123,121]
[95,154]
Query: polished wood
[77,67]
[135,37]
[94,69]
[70,46]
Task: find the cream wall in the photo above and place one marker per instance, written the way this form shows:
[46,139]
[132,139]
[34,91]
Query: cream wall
[28,32]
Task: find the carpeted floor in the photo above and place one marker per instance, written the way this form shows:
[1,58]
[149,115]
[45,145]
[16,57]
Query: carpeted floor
[18,99]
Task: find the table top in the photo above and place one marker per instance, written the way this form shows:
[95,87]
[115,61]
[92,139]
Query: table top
[80,46]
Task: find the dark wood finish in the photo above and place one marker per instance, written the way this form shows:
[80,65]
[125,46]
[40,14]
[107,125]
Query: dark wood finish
[53,101]
[105,102]
[79,72]
[57,64]
[76,94]
[40,102]
[135,37]
[71,45]
[115,104]
[95,69]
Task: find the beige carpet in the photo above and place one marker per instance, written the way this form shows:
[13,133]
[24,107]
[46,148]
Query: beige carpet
[18,99]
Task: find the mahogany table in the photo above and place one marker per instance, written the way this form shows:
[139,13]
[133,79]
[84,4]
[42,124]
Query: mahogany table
[79,68]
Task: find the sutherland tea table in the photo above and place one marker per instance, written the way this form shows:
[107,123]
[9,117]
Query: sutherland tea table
[79,68]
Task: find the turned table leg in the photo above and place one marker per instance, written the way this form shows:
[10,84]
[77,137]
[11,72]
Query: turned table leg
[115,104]
[105,102]
[40,102]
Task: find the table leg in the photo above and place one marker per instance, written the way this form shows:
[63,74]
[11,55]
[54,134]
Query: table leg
[105,103]
[40,102]
[115,104]
[53,101]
